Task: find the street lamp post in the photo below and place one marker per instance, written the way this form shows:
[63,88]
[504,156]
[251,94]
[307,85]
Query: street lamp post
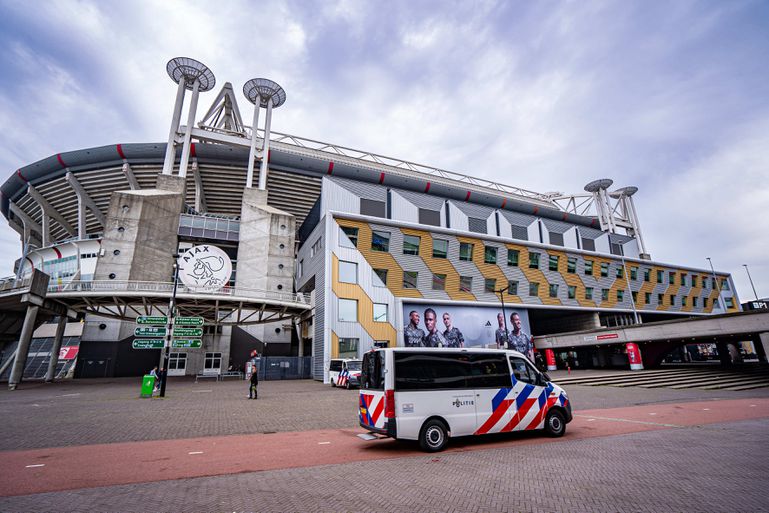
[169,330]
[751,281]
[718,285]
[504,315]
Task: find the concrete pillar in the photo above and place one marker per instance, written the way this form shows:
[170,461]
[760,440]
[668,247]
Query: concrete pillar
[55,349]
[764,342]
[550,359]
[723,354]
[21,353]
[634,356]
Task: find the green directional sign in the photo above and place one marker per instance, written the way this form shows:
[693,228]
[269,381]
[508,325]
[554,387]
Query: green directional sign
[190,343]
[150,331]
[188,321]
[188,332]
[152,320]
[147,343]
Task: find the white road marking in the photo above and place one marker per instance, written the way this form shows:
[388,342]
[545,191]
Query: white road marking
[752,405]
[68,395]
[652,413]
[706,409]
[195,452]
[632,421]
[323,443]
[38,465]
[591,420]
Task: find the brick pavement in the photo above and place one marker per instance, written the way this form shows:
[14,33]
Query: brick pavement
[713,468]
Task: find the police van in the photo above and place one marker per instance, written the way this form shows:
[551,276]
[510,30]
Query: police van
[430,395]
[343,372]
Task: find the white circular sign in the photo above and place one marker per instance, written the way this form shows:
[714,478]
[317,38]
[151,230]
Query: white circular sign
[204,267]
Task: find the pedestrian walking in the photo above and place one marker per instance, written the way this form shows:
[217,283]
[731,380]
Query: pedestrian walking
[252,389]
[154,373]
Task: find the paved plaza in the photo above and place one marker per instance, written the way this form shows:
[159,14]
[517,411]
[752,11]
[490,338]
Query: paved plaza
[205,447]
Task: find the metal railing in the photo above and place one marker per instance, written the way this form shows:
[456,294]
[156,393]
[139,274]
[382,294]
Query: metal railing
[10,283]
[166,288]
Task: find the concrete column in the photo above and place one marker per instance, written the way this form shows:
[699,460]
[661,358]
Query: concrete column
[55,349]
[634,356]
[21,353]
[764,342]
[550,359]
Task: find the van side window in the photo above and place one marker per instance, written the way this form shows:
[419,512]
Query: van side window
[489,371]
[335,366]
[431,371]
[523,371]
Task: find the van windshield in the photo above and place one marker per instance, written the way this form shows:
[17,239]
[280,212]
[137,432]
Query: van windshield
[354,365]
[372,375]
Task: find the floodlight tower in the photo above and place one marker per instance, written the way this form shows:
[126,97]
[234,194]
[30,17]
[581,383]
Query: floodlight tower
[195,76]
[598,189]
[265,93]
[625,198]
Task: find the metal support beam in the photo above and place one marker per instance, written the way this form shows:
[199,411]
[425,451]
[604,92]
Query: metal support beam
[28,222]
[190,125]
[129,174]
[54,360]
[265,147]
[49,211]
[20,361]
[84,201]
[168,163]
[200,193]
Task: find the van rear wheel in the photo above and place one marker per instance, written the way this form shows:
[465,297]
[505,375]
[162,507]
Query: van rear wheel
[555,424]
[433,436]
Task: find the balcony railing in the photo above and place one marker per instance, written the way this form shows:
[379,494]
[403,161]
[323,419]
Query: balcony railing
[166,288]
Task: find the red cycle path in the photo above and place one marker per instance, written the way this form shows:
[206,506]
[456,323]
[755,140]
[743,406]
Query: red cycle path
[88,466]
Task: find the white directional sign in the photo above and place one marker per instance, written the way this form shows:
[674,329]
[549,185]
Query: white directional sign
[204,267]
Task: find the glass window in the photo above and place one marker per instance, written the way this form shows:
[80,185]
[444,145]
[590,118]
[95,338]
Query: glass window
[647,274]
[380,241]
[533,289]
[533,260]
[213,361]
[588,267]
[379,277]
[553,290]
[588,292]
[672,278]
[683,300]
[694,280]
[620,272]
[694,302]
[380,312]
[489,371]
[634,273]
[439,282]
[432,370]
[512,288]
[348,272]
[683,279]
[647,297]
[660,299]
[372,376]
[490,285]
[490,254]
[348,310]
[604,269]
[348,348]
[724,284]
[316,247]
[440,248]
[465,251]
[704,302]
[571,265]
[348,237]
[410,279]
[572,291]
[465,283]
[411,245]
[672,300]
[553,263]
[620,295]
[659,276]
[523,371]
[604,294]
[512,257]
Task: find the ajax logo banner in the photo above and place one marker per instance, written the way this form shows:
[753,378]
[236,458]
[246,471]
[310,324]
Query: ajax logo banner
[204,267]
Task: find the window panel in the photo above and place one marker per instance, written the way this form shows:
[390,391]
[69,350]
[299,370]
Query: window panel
[440,248]
[380,312]
[411,244]
[348,272]
[465,251]
[490,254]
[439,282]
[553,262]
[465,283]
[379,277]
[512,257]
[533,289]
[490,285]
[348,310]
[380,241]
[410,279]
[533,260]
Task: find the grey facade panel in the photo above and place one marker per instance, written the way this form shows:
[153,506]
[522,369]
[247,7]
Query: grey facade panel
[429,217]
[554,226]
[556,239]
[474,210]
[373,208]
[519,232]
[477,225]
[422,200]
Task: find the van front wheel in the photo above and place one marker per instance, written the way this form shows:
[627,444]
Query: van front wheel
[555,424]
[433,436]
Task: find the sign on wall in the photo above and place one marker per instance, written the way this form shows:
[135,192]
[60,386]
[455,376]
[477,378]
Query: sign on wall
[465,326]
[204,267]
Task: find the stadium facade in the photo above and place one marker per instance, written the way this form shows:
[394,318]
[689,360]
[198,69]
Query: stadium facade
[332,249]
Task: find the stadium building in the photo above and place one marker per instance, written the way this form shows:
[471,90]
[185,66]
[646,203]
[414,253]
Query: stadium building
[333,250]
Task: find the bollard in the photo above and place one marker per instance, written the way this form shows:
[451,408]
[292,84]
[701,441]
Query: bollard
[568,370]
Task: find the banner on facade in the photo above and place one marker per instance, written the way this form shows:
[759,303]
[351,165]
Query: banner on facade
[465,326]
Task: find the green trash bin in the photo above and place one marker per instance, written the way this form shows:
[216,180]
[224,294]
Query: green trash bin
[148,385]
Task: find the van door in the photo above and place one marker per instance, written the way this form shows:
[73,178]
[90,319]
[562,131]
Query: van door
[530,397]
[490,378]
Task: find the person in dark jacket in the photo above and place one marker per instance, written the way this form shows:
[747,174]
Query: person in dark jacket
[252,392]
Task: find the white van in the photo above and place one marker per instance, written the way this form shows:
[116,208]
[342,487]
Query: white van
[343,372]
[432,394]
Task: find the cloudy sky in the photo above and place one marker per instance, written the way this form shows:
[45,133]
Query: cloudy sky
[668,96]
